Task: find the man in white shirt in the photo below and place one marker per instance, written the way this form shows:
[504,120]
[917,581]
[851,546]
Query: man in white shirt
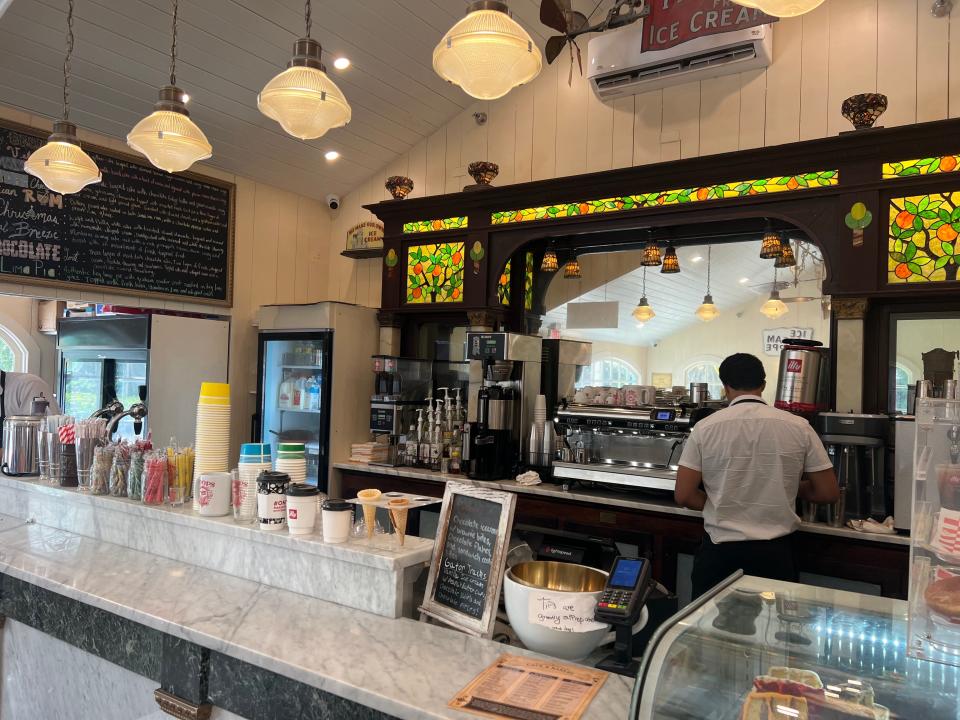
[753,462]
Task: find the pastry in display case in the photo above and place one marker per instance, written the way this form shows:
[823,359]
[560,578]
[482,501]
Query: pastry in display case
[755,649]
[934,596]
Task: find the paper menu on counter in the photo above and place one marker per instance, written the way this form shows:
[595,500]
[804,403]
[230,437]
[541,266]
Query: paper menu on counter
[522,688]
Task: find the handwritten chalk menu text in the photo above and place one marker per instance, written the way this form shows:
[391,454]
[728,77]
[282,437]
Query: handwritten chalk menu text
[140,231]
[464,569]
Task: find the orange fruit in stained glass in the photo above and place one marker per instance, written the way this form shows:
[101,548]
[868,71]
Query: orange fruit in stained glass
[457,257]
[702,193]
[418,268]
[584,208]
[504,280]
[436,270]
[417,292]
[902,271]
[455,294]
[792,183]
[437,224]
[948,163]
[905,219]
[946,233]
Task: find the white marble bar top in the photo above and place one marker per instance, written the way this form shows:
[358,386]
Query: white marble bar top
[399,666]
[382,555]
[625,500]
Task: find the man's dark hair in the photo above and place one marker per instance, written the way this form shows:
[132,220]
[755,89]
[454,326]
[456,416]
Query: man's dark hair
[742,371]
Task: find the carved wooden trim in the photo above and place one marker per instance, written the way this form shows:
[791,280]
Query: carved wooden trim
[179,708]
[849,308]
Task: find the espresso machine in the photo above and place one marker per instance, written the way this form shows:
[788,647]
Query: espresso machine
[856,444]
[504,384]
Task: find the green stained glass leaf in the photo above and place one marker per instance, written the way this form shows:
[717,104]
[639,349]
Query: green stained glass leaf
[898,257]
[941,262]
[909,171]
[914,267]
[928,214]
[911,251]
[947,248]
[922,205]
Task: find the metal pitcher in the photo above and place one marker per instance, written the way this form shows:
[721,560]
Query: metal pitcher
[20,445]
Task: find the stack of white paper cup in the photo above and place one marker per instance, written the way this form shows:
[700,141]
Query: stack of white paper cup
[213,433]
[254,459]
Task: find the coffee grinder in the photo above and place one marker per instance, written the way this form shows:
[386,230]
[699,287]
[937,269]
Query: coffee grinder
[504,384]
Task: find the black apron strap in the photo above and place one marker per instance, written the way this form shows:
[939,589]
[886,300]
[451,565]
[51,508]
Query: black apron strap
[750,400]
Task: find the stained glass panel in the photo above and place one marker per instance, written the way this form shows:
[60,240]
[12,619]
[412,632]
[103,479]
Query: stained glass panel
[921,166]
[528,283]
[422,226]
[503,284]
[435,273]
[739,188]
[922,245]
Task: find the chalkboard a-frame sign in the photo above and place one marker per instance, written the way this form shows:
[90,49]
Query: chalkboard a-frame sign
[469,558]
[140,231]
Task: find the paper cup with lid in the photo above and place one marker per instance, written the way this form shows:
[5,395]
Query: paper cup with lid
[301,508]
[337,519]
[272,500]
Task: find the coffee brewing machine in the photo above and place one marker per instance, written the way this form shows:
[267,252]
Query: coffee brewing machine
[562,363]
[638,447]
[504,384]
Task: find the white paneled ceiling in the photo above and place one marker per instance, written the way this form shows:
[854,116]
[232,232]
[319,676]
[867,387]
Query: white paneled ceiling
[738,276]
[227,51]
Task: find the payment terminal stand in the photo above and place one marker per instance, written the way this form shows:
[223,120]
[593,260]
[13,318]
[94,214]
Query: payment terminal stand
[620,605]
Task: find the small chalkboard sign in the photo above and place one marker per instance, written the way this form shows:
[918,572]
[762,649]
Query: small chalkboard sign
[469,558]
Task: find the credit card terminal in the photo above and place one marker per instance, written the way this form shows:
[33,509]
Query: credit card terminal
[626,591]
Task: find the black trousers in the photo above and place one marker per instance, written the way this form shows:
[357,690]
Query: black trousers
[764,558]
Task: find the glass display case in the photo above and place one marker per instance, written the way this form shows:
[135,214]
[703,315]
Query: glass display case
[935,537]
[761,649]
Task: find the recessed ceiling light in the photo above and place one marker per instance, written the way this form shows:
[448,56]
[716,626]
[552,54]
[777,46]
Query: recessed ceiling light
[696,258]
[341,63]
[744,281]
[186,98]
[331,154]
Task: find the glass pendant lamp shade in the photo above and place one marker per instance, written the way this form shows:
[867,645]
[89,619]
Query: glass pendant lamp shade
[786,257]
[571,271]
[783,8]
[549,263]
[61,164]
[671,263]
[487,53]
[167,137]
[303,98]
[651,255]
[770,245]
[643,312]
[707,310]
[774,307]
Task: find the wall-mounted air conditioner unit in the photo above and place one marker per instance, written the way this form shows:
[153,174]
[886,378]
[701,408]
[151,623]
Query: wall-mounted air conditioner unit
[616,67]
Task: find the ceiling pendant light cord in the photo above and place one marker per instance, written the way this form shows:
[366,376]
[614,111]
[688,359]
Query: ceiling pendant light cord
[66,62]
[644,293]
[173,48]
[709,254]
[307,17]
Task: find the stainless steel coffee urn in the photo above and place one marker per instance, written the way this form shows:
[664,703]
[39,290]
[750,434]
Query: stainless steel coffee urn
[20,445]
[803,382]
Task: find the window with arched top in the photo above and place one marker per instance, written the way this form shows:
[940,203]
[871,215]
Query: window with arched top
[903,379]
[14,356]
[609,372]
[706,370]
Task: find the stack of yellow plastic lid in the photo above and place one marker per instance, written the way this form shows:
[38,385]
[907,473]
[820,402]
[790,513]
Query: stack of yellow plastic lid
[213,432]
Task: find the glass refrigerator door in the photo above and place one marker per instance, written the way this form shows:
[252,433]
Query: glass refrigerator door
[128,378]
[294,395]
[765,649]
[82,390]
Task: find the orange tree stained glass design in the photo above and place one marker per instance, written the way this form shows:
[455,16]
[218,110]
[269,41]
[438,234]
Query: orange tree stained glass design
[435,273]
[923,243]
[503,283]
[422,226]
[921,166]
[739,188]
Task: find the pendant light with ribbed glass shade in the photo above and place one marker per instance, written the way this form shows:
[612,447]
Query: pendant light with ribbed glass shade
[487,53]
[770,245]
[303,98]
[651,254]
[643,312]
[707,310]
[786,257]
[167,137]
[774,307]
[61,164]
[571,271]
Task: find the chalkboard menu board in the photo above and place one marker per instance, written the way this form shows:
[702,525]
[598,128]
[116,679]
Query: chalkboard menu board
[466,570]
[141,231]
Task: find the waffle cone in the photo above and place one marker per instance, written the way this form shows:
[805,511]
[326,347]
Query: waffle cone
[370,519]
[398,517]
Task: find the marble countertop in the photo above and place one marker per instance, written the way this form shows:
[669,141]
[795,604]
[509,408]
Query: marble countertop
[647,503]
[401,667]
[387,556]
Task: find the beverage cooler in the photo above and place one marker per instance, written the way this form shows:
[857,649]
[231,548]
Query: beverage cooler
[157,359]
[314,381]
[293,394]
